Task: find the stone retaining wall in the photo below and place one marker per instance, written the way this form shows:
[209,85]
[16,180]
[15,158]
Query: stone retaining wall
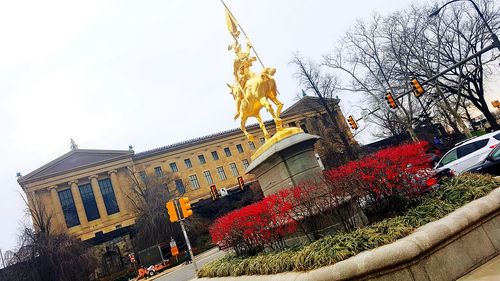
[442,250]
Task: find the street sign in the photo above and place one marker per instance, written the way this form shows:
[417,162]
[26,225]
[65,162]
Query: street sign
[174,250]
[223,192]
[172,243]
[131,257]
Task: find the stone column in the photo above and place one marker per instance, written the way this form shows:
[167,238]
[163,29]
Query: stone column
[98,197]
[78,203]
[118,191]
[56,207]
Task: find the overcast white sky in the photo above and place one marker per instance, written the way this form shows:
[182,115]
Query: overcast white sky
[146,73]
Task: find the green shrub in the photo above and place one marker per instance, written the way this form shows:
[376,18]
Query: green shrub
[334,248]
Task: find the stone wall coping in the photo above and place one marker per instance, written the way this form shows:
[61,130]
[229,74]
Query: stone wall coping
[402,250]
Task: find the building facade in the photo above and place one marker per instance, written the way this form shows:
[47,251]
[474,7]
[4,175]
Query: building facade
[88,190]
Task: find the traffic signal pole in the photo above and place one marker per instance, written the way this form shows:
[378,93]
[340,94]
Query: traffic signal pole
[188,243]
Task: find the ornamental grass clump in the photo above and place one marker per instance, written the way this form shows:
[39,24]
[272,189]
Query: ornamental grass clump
[331,249]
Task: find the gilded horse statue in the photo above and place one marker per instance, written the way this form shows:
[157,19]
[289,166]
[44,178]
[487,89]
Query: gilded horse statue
[251,91]
[257,93]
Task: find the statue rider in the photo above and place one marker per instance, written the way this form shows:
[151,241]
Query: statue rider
[241,72]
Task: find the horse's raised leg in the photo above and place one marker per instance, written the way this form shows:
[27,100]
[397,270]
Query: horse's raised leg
[268,106]
[262,126]
[277,119]
[243,121]
[279,105]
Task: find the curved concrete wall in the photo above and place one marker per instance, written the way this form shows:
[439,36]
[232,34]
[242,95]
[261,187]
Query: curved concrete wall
[442,250]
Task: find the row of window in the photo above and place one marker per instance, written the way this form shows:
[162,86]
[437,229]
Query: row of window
[201,159]
[195,184]
[89,203]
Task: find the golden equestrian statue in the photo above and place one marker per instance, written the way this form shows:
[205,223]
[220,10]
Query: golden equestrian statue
[252,91]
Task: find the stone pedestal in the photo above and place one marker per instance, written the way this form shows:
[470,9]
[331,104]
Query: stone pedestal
[286,163]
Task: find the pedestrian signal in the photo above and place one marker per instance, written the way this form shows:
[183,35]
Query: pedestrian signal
[241,183]
[213,192]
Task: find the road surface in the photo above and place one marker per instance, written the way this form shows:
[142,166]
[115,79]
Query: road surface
[186,272]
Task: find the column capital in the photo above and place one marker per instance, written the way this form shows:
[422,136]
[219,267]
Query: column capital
[93,177]
[71,182]
[112,172]
[53,187]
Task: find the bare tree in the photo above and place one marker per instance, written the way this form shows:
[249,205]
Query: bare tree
[415,44]
[324,86]
[365,56]
[466,35]
[44,254]
[148,196]
[387,52]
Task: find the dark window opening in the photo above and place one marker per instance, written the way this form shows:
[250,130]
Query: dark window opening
[180,186]
[108,195]
[68,207]
[215,156]
[89,203]
[202,160]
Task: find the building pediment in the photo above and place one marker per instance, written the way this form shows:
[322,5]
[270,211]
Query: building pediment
[307,104]
[74,160]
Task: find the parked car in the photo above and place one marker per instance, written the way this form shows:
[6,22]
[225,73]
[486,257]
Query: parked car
[491,165]
[468,153]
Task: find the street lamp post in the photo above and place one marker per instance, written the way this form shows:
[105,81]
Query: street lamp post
[494,37]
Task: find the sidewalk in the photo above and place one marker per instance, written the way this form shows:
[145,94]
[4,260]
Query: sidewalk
[489,271]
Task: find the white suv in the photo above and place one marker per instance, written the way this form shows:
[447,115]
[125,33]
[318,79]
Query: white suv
[468,153]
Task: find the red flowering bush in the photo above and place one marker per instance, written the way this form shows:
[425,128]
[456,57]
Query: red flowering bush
[252,228]
[386,181]
[382,184]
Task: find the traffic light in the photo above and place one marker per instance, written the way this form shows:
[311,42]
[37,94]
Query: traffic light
[172,213]
[185,207]
[417,88]
[213,192]
[390,100]
[352,122]
[241,183]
